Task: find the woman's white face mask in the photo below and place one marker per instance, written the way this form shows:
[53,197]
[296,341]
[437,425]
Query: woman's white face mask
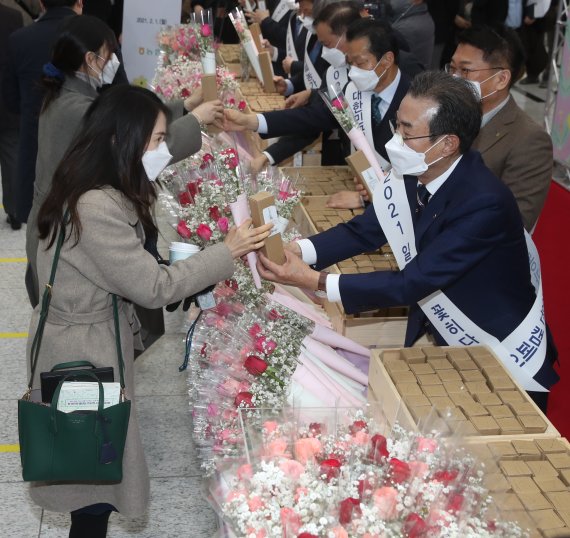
[156,160]
[107,75]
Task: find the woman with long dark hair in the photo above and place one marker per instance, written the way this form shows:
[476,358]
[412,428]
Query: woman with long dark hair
[105,183]
[82,62]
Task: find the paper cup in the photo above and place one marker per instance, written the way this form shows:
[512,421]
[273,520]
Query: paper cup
[181,251]
[209,63]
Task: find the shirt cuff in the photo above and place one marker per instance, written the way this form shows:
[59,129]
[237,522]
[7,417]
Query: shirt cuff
[262,124]
[308,251]
[333,288]
[290,88]
[275,54]
[270,159]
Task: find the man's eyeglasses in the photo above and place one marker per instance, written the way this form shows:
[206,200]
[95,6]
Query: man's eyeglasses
[394,129]
[465,71]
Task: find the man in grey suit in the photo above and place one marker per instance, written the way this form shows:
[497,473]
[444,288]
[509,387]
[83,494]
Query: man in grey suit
[513,146]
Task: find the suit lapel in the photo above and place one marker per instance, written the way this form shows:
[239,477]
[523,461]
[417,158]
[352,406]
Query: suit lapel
[440,199]
[497,128]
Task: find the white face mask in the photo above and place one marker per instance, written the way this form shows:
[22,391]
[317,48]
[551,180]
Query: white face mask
[156,160]
[307,23]
[110,69]
[95,81]
[364,79]
[334,56]
[404,160]
[477,86]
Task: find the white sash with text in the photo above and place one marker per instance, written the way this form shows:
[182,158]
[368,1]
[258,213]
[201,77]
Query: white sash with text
[290,43]
[281,10]
[360,103]
[337,77]
[310,75]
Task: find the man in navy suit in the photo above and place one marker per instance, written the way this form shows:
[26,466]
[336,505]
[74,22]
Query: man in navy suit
[464,224]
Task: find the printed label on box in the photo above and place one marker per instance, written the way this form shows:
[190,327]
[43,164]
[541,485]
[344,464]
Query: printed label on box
[270,215]
[371,178]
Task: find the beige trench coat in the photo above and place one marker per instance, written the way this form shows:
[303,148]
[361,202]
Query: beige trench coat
[110,258]
[58,126]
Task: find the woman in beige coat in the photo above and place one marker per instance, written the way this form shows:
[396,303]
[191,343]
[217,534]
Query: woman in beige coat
[105,181]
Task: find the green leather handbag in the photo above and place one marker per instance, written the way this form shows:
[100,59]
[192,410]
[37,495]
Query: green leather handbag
[82,446]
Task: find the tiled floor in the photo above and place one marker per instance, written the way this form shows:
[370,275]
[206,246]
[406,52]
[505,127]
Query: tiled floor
[178,507]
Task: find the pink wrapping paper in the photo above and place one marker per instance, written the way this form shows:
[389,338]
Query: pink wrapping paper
[240,213]
[297,306]
[331,385]
[358,138]
[334,339]
[306,378]
[335,361]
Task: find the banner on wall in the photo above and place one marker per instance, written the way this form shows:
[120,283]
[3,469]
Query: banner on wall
[142,20]
[561,120]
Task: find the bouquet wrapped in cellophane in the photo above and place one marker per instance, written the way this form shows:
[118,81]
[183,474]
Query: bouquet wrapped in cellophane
[312,473]
[181,77]
[241,27]
[253,352]
[340,108]
[179,41]
[203,24]
[263,340]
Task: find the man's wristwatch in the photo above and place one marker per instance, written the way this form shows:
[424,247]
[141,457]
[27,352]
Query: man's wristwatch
[322,285]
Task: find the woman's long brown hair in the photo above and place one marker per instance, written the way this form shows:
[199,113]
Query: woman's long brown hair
[107,151]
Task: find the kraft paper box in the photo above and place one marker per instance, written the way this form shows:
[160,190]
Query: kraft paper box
[263,211]
[210,93]
[266,72]
[362,170]
[255,30]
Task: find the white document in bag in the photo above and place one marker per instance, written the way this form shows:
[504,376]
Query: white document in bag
[84,396]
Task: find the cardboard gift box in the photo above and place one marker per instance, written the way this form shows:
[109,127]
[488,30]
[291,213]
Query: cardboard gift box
[470,408]
[528,481]
[263,211]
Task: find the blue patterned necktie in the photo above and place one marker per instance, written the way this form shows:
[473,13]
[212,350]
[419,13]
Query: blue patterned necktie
[375,101]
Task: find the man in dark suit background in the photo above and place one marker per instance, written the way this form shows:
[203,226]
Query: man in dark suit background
[465,226]
[10,21]
[28,50]
[370,46]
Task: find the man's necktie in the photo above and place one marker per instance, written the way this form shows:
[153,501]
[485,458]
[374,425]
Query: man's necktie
[375,101]
[422,199]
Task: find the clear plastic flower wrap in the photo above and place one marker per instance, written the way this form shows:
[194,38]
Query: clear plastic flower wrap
[348,472]
[203,24]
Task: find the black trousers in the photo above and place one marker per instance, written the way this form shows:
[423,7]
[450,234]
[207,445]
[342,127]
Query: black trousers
[91,521]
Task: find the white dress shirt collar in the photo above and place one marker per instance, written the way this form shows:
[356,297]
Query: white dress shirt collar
[436,183]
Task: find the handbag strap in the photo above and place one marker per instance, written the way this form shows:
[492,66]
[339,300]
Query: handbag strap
[46,300]
[118,341]
[71,364]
